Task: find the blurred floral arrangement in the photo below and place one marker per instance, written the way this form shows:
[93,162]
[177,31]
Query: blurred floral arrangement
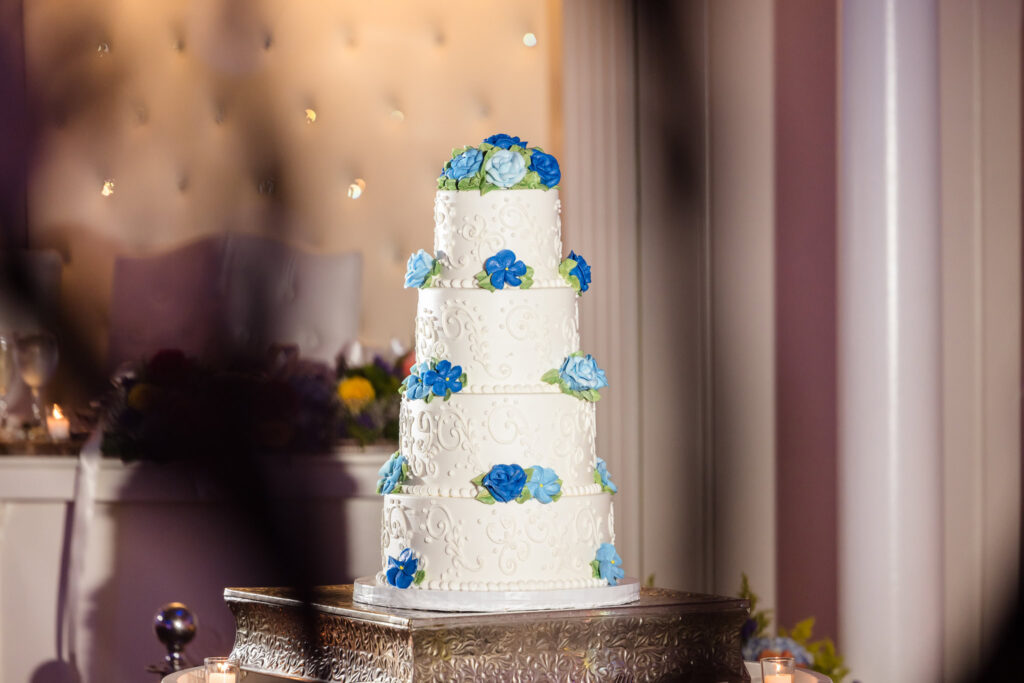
[818,655]
[172,405]
[368,393]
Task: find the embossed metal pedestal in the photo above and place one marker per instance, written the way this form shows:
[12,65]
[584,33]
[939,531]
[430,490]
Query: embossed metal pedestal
[665,636]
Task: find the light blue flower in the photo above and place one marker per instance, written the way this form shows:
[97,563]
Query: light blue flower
[544,484]
[465,164]
[505,141]
[505,168]
[415,388]
[391,474]
[418,269]
[608,564]
[581,373]
[546,167]
[603,478]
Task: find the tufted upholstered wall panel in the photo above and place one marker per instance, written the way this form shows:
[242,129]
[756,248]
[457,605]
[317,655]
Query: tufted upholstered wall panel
[196,111]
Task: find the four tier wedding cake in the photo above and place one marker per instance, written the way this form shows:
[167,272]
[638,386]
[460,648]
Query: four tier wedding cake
[496,498]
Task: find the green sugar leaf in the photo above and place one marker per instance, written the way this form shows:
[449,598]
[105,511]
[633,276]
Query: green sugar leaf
[417,578]
[485,497]
[478,481]
[551,377]
[596,566]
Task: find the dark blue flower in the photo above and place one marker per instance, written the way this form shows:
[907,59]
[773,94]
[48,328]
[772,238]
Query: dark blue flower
[546,167]
[505,269]
[465,164]
[444,377]
[505,482]
[505,141]
[609,564]
[402,571]
[581,271]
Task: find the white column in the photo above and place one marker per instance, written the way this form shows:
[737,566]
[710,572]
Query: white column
[890,507]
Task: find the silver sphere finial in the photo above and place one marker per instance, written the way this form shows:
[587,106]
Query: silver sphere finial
[175,626]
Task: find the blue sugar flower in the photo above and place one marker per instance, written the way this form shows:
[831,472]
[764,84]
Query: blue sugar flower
[444,377]
[505,168]
[505,141]
[419,268]
[505,482]
[581,271]
[402,571]
[391,474]
[602,477]
[544,484]
[546,167]
[608,564]
[503,268]
[465,164]
[414,387]
[581,373]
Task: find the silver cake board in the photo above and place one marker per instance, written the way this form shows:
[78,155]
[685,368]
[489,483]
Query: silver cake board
[662,636]
[366,590]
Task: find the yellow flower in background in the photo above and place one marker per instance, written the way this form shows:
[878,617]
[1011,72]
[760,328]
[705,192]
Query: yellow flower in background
[356,393]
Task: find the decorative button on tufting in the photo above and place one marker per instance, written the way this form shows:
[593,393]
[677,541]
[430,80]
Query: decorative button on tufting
[266,187]
[529,40]
[103,49]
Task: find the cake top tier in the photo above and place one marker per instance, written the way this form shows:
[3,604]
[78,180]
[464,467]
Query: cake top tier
[500,162]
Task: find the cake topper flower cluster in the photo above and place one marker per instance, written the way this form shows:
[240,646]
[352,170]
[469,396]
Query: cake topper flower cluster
[500,162]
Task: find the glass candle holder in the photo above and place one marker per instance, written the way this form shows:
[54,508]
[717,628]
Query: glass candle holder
[778,669]
[222,670]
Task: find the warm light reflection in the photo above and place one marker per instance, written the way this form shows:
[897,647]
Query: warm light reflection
[529,40]
[108,188]
[310,116]
[57,413]
[355,190]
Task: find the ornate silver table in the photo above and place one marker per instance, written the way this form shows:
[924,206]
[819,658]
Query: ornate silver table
[665,636]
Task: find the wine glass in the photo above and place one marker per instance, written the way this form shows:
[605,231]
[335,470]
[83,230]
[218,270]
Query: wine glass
[7,370]
[36,356]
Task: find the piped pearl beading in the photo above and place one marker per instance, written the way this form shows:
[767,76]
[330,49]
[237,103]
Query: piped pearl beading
[473,284]
[472,491]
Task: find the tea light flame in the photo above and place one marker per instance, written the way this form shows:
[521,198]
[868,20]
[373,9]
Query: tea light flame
[58,414]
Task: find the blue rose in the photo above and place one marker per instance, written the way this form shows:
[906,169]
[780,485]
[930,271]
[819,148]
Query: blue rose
[609,564]
[546,167]
[505,168]
[544,484]
[601,469]
[505,482]
[402,571]
[444,377]
[418,269]
[581,271]
[465,165]
[390,474]
[503,268]
[581,373]
[505,141]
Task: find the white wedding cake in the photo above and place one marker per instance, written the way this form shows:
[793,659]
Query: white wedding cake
[496,497]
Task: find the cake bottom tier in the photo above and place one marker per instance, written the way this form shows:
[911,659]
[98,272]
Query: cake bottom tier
[463,544]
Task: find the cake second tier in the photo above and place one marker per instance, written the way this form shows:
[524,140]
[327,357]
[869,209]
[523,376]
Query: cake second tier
[447,444]
[505,341]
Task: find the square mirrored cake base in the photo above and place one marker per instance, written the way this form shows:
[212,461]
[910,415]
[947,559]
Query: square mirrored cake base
[663,636]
